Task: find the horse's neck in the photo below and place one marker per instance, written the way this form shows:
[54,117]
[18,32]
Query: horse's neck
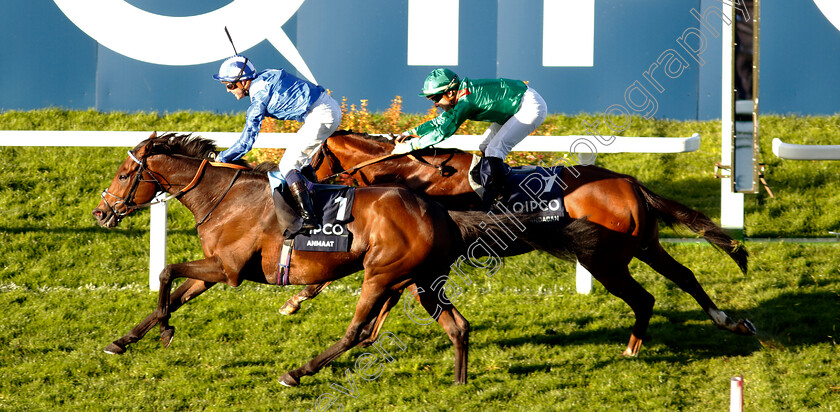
[180,172]
[360,150]
[354,150]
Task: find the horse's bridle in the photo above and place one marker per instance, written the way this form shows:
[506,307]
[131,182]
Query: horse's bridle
[128,201]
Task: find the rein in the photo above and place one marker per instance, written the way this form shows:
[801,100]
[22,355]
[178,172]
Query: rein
[232,181]
[366,163]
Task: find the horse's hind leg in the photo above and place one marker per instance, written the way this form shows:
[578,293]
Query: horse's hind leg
[383,314]
[371,301]
[310,291]
[658,259]
[617,280]
[456,326]
[186,292]
[376,326]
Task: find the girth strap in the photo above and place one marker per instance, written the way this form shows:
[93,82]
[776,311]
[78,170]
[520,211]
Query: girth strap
[285,262]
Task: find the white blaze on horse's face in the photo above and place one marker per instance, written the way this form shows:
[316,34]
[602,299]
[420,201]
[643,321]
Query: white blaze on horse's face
[127,189]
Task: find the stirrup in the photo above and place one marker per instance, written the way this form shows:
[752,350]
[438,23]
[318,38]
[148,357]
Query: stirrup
[309,223]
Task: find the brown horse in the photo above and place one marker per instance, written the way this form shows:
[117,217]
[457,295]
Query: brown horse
[624,211]
[399,239]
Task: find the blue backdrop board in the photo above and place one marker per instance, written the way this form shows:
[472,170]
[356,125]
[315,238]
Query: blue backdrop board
[650,57]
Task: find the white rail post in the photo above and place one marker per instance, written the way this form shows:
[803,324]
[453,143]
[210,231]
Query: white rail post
[583,279]
[157,241]
[736,394]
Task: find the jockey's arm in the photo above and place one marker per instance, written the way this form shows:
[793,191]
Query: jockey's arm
[436,130]
[253,121]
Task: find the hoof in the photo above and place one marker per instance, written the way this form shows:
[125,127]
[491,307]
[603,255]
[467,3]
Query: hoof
[288,380]
[745,327]
[114,349]
[628,353]
[289,309]
[166,336]
[633,347]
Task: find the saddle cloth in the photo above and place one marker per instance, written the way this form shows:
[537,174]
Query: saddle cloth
[533,190]
[332,205]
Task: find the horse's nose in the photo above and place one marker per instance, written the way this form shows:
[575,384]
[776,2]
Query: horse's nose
[98,214]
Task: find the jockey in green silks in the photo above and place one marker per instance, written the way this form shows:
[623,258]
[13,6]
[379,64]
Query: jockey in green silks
[513,108]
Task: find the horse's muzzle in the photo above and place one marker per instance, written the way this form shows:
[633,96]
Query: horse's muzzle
[106,218]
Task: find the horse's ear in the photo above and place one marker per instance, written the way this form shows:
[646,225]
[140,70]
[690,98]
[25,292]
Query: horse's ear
[141,151]
[154,134]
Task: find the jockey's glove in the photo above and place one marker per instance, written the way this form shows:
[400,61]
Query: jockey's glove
[401,148]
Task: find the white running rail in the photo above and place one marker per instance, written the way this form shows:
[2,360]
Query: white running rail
[157,224]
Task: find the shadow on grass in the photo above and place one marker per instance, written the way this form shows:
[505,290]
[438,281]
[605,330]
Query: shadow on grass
[788,321]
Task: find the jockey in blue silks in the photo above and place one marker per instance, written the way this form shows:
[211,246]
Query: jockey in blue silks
[279,94]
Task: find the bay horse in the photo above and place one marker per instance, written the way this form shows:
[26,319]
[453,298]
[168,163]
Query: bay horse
[399,239]
[624,211]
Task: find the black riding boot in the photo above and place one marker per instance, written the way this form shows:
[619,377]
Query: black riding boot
[304,204]
[498,173]
[309,173]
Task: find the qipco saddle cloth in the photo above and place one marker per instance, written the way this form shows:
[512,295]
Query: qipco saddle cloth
[333,205]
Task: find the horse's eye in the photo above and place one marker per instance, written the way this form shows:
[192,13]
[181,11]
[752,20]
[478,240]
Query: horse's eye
[123,177]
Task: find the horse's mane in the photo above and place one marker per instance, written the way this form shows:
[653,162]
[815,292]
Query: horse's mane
[182,145]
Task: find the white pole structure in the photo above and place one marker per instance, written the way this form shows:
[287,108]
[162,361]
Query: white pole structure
[583,279]
[157,241]
[158,228]
[792,151]
[731,204]
[736,394]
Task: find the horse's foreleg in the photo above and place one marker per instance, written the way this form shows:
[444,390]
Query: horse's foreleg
[371,300]
[310,291]
[659,260]
[207,270]
[186,292]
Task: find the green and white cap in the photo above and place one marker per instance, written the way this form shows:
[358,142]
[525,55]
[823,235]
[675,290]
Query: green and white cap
[439,81]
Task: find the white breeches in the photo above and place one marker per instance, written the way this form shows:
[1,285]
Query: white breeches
[500,139]
[322,120]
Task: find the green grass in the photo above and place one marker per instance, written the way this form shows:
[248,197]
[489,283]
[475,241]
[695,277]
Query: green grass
[69,288]
[535,344]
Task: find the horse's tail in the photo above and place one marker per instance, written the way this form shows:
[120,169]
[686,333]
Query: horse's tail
[507,233]
[674,213]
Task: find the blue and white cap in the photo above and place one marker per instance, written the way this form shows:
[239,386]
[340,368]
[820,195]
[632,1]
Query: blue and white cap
[232,67]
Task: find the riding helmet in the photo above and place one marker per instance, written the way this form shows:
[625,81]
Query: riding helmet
[231,67]
[439,81]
